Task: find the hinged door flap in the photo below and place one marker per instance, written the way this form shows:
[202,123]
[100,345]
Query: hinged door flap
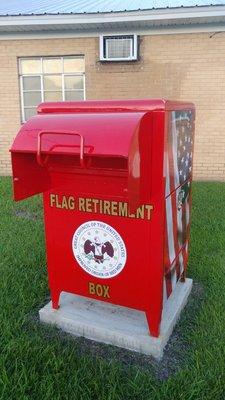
[28,177]
[139,164]
[104,136]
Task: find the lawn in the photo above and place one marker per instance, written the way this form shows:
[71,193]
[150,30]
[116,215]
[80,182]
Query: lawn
[38,362]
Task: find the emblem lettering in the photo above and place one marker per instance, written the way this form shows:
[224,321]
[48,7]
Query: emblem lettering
[91,288]
[99,290]
[64,202]
[100,251]
[98,206]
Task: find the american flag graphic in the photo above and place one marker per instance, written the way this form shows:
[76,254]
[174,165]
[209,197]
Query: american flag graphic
[177,171]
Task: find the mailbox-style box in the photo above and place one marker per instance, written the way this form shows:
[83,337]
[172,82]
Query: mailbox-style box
[116,182]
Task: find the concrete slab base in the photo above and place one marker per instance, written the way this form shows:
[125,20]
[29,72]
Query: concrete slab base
[116,325]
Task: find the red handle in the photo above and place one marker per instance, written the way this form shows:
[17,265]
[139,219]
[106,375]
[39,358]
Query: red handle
[42,162]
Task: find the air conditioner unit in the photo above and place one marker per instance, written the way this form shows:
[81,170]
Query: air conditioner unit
[118,48]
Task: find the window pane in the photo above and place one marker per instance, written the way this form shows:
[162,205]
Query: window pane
[31,98]
[53,96]
[73,82]
[53,82]
[52,65]
[30,66]
[31,83]
[29,112]
[73,64]
[74,95]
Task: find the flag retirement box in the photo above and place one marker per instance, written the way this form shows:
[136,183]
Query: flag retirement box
[116,182]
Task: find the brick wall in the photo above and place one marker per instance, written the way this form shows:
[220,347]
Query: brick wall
[182,67]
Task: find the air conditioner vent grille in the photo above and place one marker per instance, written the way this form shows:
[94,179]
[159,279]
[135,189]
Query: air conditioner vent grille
[118,48]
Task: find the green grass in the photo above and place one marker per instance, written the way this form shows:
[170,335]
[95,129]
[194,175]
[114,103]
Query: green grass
[38,362]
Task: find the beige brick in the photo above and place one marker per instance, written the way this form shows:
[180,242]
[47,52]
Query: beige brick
[183,67]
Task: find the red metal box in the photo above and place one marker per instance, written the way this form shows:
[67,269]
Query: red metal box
[116,182]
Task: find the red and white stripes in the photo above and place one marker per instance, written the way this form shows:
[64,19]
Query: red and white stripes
[177,161]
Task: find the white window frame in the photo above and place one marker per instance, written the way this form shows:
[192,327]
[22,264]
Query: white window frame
[42,74]
[104,50]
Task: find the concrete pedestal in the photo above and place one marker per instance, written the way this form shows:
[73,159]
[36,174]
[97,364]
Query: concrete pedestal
[119,326]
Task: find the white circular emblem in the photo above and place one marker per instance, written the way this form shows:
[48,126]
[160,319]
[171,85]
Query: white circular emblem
[99,249]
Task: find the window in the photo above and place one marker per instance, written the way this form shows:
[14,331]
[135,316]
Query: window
[118,48]
[50,79]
